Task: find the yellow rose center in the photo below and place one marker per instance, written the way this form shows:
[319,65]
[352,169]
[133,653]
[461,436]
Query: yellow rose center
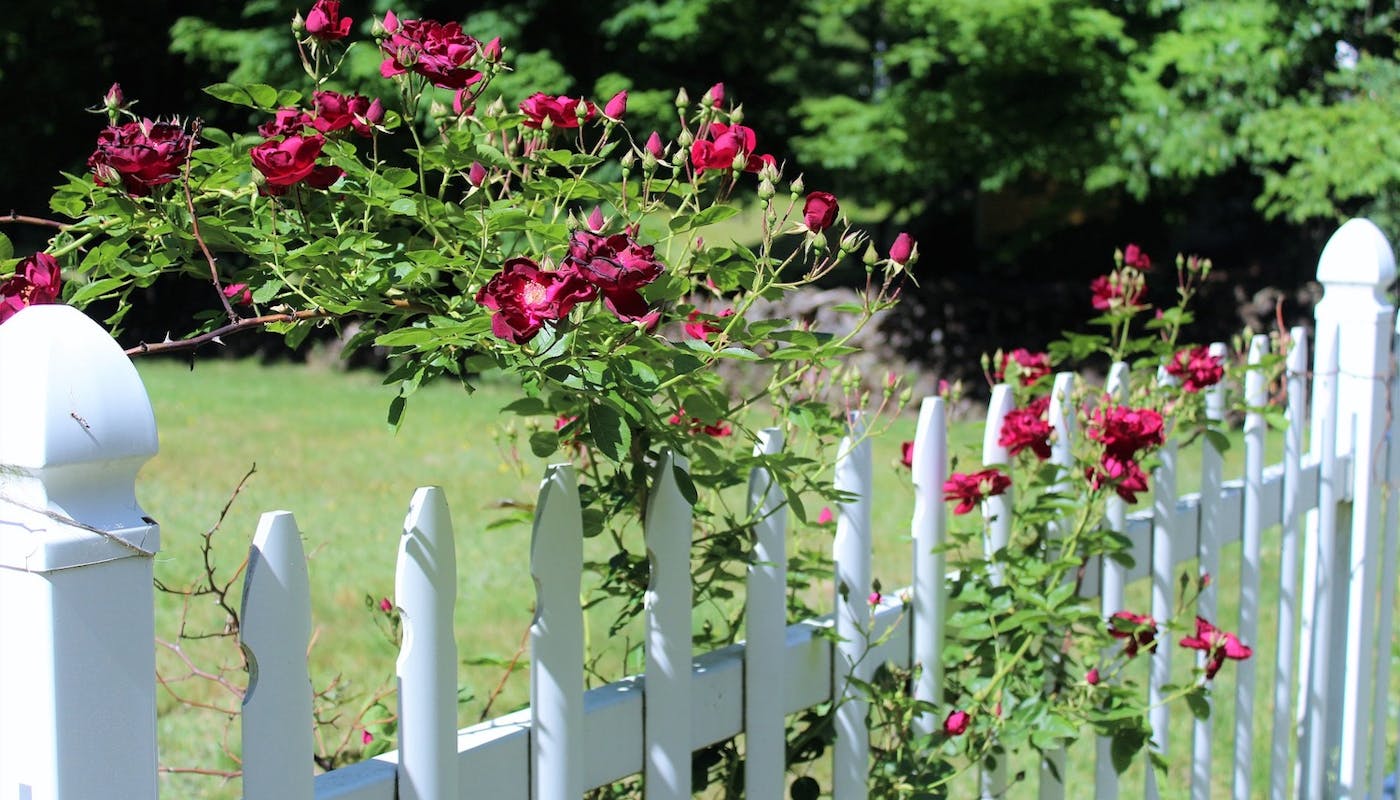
[534,293]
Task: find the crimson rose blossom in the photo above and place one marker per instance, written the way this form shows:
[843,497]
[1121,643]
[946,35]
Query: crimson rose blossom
[438,51]
[239,293]
[1217,644]
[525,297]
[1124,431]
[906,454]
[696,328]
[971,489]
[1139,630]
[1027,427]
[1033,365]
[902,249]
[1109,294]
[290,161]
[719,145]
[324,22]
[1135,258]
[1196,368]
[335,112]
[617,267]
[819,212]
[37,281]
[956,723]
[561,111]
[1123,474]
[718,430]
[286,122]
[141,155]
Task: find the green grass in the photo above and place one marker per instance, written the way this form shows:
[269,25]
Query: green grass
[323,452]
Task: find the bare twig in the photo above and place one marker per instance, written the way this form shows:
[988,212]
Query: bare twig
[510,670]
[194,225]
[24,219]
[195,342]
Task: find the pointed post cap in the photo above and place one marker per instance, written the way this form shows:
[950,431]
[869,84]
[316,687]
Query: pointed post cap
[75,427]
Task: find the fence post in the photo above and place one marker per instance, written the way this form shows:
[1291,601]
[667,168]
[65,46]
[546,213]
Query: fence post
[851,554]
[77,619]
[1356,268]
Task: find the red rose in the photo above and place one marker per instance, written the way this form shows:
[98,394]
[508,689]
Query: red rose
[697,328]
[1027,427]
[1137,629]
[1123,474]
[719,429]
[287,122]
[719,147]
[239,293]
[1109,293]
[820,211]
[335,111]
[971,489]
[1196,368]
[1092,677]
[286,162]
[525,297]
[324,22]
[654,145]
[141,155]
[561,111]
[438,51]
[616,107]
[1135,258]
[1124,431]
[902,249]
[1033,365]
[617,267]
[906,454]
[1217,644]
[956,723]
[37,281]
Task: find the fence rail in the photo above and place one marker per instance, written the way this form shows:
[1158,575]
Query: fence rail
[75,597]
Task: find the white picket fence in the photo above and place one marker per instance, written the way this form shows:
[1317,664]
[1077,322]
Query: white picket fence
[77,686]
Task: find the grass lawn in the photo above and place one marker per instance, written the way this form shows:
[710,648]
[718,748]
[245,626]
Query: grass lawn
[322,451]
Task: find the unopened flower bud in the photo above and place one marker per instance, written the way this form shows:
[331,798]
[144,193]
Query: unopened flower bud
[107,175]
[685,139]
[716,94]
[737,115]
[496,108]
[678,158]
[114,100]
[377,30]
[648,163]
[595,219]
[741,160]
[850,240]
[682,99]
[906,395]
[654,146]
[477,174]
[765,189]
[817,241]
[628,159]
[769,172]
[491,51]
[616,107]
[798,187]
[581,110]
[298,24]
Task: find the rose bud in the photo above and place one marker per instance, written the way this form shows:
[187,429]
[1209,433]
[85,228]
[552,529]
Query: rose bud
[616,107]
[902,250]
[819,212]
[956,723]
[477,174]
[716,94]
[491,51]
[654,145]
[239,293]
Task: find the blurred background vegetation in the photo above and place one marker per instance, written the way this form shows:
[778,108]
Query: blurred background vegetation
[1021,141]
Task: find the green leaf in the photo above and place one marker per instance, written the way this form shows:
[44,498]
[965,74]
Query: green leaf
[685,484]
[1218,440]
[544,443]
[526,407]
[396,408]
[254,95]
[94,290]
[1199,703]
[610,432]
[7,250]
[1126,743]
[406,206]
[709,216]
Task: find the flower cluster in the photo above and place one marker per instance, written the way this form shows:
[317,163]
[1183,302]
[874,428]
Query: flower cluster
[525,297]
[724,147]
[37,280]
[140,155]
[1196,368]
[1028,427]
[1138,631]
[438,51]
[1030,366]
[324,22]
[1124,432]
[969,489]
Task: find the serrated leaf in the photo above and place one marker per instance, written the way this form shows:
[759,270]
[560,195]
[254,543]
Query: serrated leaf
[253,95]
[7,250]
[708,216]
[544,443]
[94,290]
[1198,702]
[610,432]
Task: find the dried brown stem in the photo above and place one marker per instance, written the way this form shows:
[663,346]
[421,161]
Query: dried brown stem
[195,342]
[28,220]
[510,670]
[194,226]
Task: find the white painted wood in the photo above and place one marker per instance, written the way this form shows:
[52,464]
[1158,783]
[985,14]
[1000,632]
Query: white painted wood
[1164,536]
[1113,581]
[1356,269]
[425,590]
[1062,420]
[1390,530]
[929,528]
[1316,671]
[1255,429]
[765,618]
[996,511]
[1280,762]
[275,635]
[77,664]
[556,640]
[668,643]
[851,556]
[1212,476]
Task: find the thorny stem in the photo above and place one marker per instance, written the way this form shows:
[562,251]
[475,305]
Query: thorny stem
[194,225]
[195,342]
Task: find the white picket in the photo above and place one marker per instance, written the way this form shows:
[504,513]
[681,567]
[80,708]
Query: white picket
[1280,768]
[765,619]
[929,527]
[1255,429]
[851,554]
[667,720]
[425,590]
[1212,477]
[1318,645]
[1164,536]
[997,513]
[1111,588]
[275,633]
[1390,528]
[1062,421]
[556,640]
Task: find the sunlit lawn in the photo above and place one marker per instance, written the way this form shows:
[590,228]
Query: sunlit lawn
[323,451]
